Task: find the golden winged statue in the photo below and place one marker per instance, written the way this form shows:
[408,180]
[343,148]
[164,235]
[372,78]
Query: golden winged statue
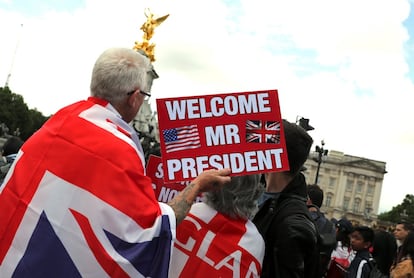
[148,29]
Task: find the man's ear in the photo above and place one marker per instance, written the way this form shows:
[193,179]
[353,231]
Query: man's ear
[132,99]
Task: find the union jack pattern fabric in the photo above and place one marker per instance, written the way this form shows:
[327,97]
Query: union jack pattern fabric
[262,131]
[181,138]
[61,218]
[213,245]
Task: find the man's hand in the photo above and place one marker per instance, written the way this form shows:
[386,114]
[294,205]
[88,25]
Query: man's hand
[211,180]
[207,181]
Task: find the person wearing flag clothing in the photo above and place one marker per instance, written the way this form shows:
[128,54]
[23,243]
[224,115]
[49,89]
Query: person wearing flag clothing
[217,239]
[77,201]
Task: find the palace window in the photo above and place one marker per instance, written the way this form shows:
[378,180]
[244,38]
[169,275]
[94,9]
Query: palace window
[359,186]
[371,189]
[357,205]
[346,203]
[332,182]
[328,200]
[349,184]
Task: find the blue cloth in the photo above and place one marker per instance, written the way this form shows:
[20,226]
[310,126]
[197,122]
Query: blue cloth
[11,157]
[266,196]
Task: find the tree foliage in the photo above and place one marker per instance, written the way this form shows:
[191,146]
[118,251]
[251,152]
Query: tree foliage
[16,115]
[403,211]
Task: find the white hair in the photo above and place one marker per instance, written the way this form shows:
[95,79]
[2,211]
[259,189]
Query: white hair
[237,199]
[118,71]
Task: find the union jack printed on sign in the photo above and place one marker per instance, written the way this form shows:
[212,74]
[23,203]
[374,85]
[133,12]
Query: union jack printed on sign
[262,131]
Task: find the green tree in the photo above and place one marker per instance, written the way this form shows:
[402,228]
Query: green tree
[16,115]
[403,211]
[37,120]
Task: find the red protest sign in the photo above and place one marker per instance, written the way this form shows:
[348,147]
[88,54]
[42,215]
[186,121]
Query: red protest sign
[163,192]
[241,131]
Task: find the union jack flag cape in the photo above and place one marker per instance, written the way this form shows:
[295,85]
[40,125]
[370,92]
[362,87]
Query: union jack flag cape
[77,203]
[212,245]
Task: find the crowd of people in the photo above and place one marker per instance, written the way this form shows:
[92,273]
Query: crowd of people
[77,202]
[9,152]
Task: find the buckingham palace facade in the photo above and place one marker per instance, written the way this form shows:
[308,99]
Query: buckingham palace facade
[352,185]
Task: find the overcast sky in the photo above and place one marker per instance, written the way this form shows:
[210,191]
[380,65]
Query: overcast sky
[348,66]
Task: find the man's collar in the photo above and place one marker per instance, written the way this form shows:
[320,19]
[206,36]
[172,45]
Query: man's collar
[105,104]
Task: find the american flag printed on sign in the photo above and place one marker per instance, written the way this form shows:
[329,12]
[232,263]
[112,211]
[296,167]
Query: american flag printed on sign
[258,131]
[181,138]
[67,220]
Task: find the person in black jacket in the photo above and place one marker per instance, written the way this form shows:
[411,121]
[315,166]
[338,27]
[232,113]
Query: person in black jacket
[325,227]
[361,240]
[283,218]
[9,153]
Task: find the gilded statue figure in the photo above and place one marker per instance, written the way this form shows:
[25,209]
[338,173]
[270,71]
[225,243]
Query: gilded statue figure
[148,28]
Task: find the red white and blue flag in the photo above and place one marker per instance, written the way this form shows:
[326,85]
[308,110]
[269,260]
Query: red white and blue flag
[213,245]
[181,138]
[263,132]
[77,203]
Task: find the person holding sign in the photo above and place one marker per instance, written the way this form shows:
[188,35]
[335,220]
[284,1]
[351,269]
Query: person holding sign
[217,239]
[283,218]
[77,201]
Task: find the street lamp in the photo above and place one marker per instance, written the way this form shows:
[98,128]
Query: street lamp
[321,152]
[304,123]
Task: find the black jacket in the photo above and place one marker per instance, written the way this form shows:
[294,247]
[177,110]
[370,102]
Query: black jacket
[359,267]
[289,233]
